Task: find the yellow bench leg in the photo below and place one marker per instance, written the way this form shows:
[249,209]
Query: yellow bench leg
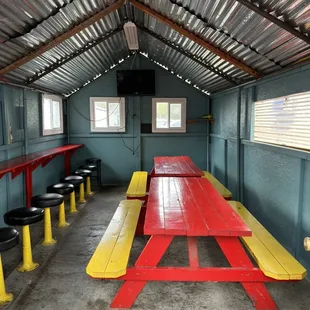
[82,197]
[27,264]
[4,296]
[62,216]
[88,187]
[72,203]
[48,237]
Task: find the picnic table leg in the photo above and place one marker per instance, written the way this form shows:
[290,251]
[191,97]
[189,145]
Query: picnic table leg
[192,252]
[237,257]
[150,257]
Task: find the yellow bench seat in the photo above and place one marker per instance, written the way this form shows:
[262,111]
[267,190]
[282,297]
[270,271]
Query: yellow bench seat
[217,184]
[110,259]
[272,258]
[138,185]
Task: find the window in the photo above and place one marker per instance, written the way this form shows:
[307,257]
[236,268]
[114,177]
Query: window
[52,115]
[169,115]
[283,121]
[107,114]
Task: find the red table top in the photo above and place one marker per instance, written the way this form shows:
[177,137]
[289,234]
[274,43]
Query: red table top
[179,166]
[21,161]
[190,207]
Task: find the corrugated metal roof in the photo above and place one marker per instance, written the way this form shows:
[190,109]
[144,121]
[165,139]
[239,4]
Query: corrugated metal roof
[232,27]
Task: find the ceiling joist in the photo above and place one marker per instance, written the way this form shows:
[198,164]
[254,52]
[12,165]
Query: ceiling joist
[195,38]
[275,20]
[16,64]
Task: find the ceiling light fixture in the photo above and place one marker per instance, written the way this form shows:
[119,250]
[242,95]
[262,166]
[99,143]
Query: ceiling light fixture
[131,35]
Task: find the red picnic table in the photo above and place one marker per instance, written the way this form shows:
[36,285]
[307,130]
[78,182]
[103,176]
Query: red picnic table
[193,208]
[175,166]
[28,163]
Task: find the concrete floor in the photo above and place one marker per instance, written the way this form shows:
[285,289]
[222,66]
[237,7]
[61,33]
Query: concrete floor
[61,282]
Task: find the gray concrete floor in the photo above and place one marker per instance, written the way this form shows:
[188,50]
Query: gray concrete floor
[61,283]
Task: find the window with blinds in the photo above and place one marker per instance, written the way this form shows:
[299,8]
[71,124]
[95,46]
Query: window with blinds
[283,121]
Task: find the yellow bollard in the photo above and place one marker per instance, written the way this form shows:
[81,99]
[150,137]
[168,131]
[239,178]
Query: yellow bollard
[82,197]
[72,203]
[4,296]
[48,237]
[88,187]
[27,264]
[62,216]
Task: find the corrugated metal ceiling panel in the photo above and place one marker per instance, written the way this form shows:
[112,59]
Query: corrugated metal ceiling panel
[245,35]
[82,69]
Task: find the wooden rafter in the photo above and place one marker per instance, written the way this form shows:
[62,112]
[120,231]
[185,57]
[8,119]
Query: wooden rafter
[195,38]
[61,38]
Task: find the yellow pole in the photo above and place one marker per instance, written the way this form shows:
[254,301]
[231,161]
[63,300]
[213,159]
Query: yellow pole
[48,237]
[88,187]
[62,216]
[82,197]
[4,296]
[27,264]
[72,203]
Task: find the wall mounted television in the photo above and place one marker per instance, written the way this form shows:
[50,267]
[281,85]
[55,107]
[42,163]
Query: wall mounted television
[135,82]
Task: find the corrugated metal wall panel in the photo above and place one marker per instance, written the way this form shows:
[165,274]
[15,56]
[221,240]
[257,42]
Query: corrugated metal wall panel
[284,121]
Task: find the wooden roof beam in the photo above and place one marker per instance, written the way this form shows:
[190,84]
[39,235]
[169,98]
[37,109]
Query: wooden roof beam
[44,48]
[195,39]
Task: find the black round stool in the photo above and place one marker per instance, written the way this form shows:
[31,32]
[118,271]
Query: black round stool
[9,238]
[86,174]
[46,202]
[76,180]
[97,162]
[64,189]
[24,217]
[91,168]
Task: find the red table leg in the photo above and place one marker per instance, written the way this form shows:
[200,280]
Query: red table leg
[192,252]
[28,177]
[67,163]
[150,256]
[237,257]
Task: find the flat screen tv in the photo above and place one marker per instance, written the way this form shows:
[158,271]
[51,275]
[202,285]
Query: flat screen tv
[135,82]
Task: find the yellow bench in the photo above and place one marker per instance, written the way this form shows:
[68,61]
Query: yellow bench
[138,185]
[111,256]
[272,258]
[217,184]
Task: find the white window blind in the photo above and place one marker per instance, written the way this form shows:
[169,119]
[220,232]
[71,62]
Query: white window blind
[284,121]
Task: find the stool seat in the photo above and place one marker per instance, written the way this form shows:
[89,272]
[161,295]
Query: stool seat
[9,238]
[73,179]
[89,167]
[82,172]
[61,188]
[23,216]
[47,200]
[93,160]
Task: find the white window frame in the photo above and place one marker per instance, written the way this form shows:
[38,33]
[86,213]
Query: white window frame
[282,121]
[120,101]
[181,129]
[54,131]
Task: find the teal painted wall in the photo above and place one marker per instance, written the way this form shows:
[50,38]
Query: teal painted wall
[12,193]
[275,181]
[118,162]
